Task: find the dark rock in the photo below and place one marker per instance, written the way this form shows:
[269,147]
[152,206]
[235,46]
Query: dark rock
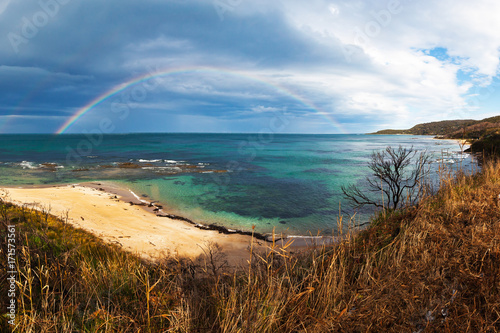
[220,229]
[129,165]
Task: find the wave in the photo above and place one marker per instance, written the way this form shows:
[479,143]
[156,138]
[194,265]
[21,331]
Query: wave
[460,156]
[156,168]
[162,168]
[149,161]
[35,166]
[138,198]
[158,160]
[29,165]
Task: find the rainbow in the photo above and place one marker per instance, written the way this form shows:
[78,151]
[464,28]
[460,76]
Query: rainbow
[123,86]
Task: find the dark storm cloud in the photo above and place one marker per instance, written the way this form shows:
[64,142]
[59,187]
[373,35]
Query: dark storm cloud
[58,55]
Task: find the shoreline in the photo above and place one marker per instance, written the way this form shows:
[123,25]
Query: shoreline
[117,215]
[152,206]
[430,136]
[157,209]
[460,141]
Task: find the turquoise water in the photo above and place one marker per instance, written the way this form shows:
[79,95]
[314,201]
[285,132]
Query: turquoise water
[288,182]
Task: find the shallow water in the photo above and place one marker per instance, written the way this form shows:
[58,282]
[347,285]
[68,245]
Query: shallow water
[288,182]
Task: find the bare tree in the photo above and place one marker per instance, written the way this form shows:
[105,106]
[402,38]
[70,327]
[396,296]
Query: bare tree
[398,179]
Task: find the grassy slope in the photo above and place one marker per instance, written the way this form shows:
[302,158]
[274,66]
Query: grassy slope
[435,267]
[453,129]
[433,128]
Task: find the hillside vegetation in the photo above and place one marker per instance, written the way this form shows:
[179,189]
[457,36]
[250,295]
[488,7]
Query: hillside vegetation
[434,128]
[484,135]
[452,129]
[434,267]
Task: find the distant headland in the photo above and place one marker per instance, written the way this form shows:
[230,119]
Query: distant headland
[483,135]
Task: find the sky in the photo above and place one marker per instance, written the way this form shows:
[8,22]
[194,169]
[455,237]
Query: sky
[260,66]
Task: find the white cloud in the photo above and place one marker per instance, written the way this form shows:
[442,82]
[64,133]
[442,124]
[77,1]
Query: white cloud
[265,109]
[359,60]
[400,78]
[333,10]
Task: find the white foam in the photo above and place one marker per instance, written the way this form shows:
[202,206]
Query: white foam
[171,161]
[446,160]
[460,156]
[137,197]
[155,168]
[27,164]
[148,161]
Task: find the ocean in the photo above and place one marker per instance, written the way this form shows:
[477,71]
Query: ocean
[288,182]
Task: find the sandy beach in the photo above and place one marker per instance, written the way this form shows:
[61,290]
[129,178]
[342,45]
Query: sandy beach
[109,214]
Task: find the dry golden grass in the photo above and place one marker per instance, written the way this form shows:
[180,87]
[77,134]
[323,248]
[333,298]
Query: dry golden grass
[434,267]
